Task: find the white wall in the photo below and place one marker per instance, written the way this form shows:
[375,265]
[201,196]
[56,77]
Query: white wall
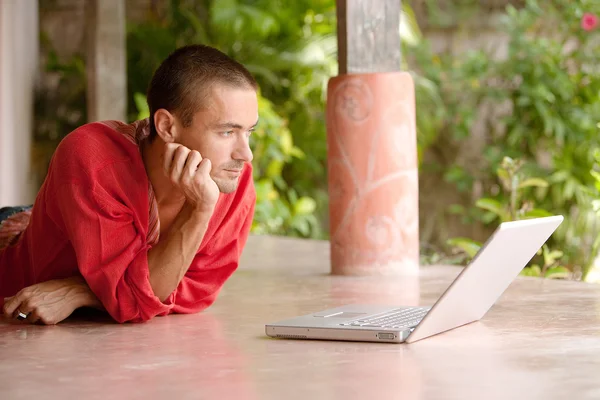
[18,70]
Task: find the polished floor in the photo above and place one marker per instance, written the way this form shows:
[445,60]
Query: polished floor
[540,341]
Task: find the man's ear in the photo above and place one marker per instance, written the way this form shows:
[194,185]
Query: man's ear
[165,125]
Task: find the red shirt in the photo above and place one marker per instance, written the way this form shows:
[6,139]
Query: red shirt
[95,215]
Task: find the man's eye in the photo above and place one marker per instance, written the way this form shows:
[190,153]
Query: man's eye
[227,133]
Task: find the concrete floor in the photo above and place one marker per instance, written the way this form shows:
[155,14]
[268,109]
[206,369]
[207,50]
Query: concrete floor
[540,341]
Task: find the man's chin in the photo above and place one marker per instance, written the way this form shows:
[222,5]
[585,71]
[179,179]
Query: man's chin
[227,187]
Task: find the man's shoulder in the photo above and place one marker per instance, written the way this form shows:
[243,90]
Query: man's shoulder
[96,135]
[98,156]
[93,145]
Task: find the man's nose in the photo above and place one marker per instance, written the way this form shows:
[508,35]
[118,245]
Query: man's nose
[243,152]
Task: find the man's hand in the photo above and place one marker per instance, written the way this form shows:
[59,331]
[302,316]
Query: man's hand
[190,173]
[52,301]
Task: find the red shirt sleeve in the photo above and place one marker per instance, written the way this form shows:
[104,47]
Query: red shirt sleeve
[111,253]
[215,263]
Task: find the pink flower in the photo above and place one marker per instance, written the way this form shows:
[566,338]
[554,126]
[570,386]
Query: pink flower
[589,21]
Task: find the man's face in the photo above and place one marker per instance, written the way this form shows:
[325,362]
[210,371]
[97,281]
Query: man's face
[221,132]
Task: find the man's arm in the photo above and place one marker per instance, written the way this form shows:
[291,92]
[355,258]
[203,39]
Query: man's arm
[170,259]
[99,214]
[52,301]
[120,280]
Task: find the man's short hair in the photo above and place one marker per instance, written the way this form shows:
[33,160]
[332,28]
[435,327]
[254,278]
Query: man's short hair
[181,82]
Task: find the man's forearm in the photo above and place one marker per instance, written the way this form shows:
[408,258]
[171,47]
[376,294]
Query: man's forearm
[169,260]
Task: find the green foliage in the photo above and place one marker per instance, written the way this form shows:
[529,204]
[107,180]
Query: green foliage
[595,194]
[543,107]
[516,206]
[468,246]
[550,268]
[279,208]
[59,104]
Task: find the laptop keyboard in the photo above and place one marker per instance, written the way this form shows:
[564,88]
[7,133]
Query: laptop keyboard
[402,318]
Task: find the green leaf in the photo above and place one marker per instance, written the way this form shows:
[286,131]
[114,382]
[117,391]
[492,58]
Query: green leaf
[550,257]
[502,174]
[491,205]
[469,246]
[535,182]
[488,217]
[297,152]
[263,189]
[223,12]
[569,189]
[286,142]
[456,209]
[292,196]
[305,205]
[596,205]
[261,19]
[558,273]
[410,33]
[555,254]
[537,213]
[303,226]
[534,270]
[141,105]
[274,168]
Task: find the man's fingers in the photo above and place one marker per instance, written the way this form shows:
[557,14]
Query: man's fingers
[181,155]
[205,167]
[33,317]
[192,163]
[24,307]
[7,301]
[169,154]
[10,305]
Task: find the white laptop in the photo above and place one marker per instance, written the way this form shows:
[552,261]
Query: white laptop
[466,300]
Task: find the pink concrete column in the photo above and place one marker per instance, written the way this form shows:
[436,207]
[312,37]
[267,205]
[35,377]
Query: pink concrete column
[373,176]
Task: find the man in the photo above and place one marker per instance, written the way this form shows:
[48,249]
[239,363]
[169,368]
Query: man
[144,219]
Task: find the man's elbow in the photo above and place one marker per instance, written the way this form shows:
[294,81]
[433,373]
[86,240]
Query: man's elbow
[159,290]
[132,319]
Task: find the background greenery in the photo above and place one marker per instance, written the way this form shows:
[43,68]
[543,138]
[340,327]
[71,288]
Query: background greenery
[544,95]
[547,90]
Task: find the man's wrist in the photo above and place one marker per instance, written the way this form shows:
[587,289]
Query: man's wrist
[199,213]
[81,295]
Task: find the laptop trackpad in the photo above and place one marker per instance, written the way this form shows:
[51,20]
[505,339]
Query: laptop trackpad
[339,314]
